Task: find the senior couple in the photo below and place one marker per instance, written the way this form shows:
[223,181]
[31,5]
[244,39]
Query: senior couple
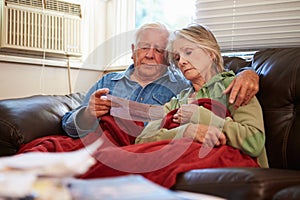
[234,137]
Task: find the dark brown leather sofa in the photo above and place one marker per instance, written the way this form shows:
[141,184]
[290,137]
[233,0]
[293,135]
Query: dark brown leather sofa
[24,119]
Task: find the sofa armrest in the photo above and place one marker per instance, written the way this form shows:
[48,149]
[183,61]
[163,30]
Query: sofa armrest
[290,193]
[28,118]
[238,183]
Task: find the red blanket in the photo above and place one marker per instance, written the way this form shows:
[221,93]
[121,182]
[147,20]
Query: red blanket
[161,161]
[158,161]
[113,131]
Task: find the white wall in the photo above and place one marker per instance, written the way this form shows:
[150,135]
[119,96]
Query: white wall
[19,80]
[102,21]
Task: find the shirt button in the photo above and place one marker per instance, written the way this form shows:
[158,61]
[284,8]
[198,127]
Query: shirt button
[141,98]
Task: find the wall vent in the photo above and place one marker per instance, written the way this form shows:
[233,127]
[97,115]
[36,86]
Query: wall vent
[49,26]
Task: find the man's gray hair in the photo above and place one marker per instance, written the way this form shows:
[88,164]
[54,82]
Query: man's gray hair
[154,25]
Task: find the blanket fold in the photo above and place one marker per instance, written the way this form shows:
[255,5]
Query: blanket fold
[162,161]
[113,131]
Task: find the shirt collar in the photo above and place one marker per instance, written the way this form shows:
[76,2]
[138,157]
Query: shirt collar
[219,77]
[171,73]
[126,74]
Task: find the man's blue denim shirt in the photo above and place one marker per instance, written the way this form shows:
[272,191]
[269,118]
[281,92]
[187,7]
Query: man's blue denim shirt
[157,93]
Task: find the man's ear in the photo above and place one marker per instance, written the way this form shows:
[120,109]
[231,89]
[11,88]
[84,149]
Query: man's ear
[132,50]
[166,57]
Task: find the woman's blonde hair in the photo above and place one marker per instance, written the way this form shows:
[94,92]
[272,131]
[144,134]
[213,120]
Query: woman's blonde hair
[202,37]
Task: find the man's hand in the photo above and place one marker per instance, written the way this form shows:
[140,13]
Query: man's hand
[243,88]
[98,105]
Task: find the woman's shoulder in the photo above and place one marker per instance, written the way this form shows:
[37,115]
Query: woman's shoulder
[227,77]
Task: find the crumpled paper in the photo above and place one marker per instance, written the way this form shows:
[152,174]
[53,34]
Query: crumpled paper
[19,173]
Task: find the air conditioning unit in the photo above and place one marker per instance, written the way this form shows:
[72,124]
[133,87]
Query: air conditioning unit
[50,26]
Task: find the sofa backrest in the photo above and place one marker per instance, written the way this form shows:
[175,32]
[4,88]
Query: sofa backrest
[279,95]
[28,118]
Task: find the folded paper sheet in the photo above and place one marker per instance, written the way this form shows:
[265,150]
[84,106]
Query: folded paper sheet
[135,111]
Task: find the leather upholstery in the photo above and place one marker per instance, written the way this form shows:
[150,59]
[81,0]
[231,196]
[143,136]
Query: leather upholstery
[279,96]
[238,183]
[24,119]
[290,193]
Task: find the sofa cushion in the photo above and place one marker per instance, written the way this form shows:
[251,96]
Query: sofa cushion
[238,183]
[24,119]
[290,193]
[235,63]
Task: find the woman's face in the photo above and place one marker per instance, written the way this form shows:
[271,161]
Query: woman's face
[193,61]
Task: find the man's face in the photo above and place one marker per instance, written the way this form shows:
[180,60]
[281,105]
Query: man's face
[149,53]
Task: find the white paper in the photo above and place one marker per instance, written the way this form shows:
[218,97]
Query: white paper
[16,184]
[52,164]
[135,111]
[18,173]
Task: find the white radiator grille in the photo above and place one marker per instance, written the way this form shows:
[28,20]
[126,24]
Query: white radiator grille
[55,28]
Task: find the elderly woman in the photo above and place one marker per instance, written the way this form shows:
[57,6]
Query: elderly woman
[214,122]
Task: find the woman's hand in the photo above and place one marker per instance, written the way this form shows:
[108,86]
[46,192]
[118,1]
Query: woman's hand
[184,114]
[208,135]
